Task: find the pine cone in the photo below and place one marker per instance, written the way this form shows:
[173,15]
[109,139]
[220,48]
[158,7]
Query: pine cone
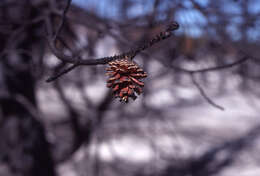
[124,79]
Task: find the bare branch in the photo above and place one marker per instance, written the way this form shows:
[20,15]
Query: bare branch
[77,60]
[62,20]
[204,95]
[54,77]
[211,69]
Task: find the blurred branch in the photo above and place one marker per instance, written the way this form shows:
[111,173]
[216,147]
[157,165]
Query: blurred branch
[209,162]
[79,134]
[211,69]
[62,20]
[83,133]
[203,94]
[66,70]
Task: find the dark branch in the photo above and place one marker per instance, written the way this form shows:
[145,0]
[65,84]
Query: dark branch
[77,60]
[54,77]
[211,69]
[62,20]
[204,95]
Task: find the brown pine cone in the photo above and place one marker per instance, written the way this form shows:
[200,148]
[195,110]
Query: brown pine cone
[124,78]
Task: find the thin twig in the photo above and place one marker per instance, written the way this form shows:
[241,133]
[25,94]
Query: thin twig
[66,70]
[62,20]
[203,94]
[211,69]
[104,60]
[101,61]
[161,36]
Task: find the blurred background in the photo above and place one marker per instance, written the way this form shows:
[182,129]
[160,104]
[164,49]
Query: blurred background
[75,127]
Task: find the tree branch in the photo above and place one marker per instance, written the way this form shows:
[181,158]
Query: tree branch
[203,94]
[211,69]
[62,20]
[78,60]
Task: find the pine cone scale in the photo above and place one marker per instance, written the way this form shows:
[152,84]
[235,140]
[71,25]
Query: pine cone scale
[124,78]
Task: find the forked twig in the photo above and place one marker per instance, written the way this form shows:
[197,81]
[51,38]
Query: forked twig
[62,20]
